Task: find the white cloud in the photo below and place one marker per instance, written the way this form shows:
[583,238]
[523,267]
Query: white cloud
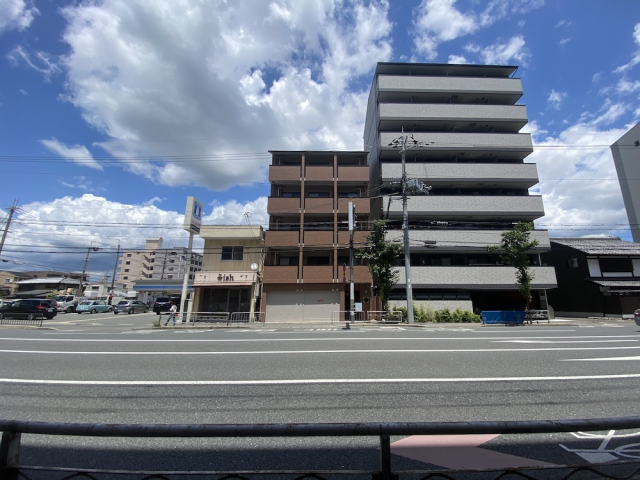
[555,99]
[41,62]
[564,41]
[439,21]
[16,14]
[23,91]
[563,23]
[502,53]
[636,57]
[457,59]
[150,202]
[72,224]
[77,153]
[578,181]
[213,83]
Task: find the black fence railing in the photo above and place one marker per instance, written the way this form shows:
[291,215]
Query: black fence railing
[11,468]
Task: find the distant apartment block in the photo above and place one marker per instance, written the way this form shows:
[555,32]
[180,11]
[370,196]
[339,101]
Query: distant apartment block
[626,157]
[472,154]
[154,262]
[306,271]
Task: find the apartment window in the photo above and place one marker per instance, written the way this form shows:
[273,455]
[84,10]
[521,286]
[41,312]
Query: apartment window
[290,194]
[319,194]
[125,278]
[128,254]
[127,263]
[126,269]
[288,261]
[170,269]
[319,260]
[572,262]
[169,276]
[234,252]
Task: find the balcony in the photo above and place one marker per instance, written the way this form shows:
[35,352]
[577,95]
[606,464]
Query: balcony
[353,174]
[469,88]
[470,207]
[318,174]
[318,274]
[318,205]
[504,175]
[462,240]
[459,142]
[281,238]
[447,116]
[477,277]
[319,238]
[280,274]
[284,174]
[283,205]
[359,237]
[363,205]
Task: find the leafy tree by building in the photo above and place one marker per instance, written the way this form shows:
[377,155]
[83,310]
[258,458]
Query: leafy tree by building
[513,249]
[381,256]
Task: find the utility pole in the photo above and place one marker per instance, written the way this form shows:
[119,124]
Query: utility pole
[6,227]
[84,268]
[352,221]
[115,267]
[408,185]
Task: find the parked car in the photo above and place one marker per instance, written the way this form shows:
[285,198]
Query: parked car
[93,306]
[636,316]
[30,308]
[130,306]
[163,304]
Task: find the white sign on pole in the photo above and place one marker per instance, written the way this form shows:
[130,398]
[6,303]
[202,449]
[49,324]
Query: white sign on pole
[193,215]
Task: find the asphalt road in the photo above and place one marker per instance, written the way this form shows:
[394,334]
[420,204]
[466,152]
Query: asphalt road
[107,368]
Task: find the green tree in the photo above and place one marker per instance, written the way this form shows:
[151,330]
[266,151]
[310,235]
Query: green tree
[381,256]
[513,249]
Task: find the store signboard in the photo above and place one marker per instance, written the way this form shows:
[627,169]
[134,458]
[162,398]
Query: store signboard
[193,215]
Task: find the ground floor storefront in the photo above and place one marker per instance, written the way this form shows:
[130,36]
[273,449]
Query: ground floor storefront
[314,302]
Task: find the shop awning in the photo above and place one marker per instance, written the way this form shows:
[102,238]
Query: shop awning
[224,285]
[160,288]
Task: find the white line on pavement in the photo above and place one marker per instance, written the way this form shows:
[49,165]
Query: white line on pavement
[563,341]
[306,352]
[604,359]
[316,381]
[310,339]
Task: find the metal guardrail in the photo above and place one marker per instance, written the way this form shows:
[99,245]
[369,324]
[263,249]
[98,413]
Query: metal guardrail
[10,467]
[536,315]
[21,319]
[216,317]
[378,316]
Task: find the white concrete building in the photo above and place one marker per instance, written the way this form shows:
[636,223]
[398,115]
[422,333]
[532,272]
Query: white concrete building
[626,157]
[473,156]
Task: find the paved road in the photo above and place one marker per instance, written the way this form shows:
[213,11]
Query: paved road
[116,369]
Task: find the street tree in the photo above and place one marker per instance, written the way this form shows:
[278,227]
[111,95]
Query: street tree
[513,249]
[381,256]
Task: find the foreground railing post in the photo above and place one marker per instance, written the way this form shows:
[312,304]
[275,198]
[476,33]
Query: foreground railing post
[9,456]
[385,457]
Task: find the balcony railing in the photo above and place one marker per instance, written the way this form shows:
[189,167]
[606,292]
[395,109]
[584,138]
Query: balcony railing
[283,205]
[280,274]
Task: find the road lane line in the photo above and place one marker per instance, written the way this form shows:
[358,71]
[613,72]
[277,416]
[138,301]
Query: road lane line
[306,352]
[563,341]
[310,339]
[315,381]
[604,359]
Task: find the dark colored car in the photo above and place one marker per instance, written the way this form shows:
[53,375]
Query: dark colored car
[30,308]
[130,306]
[163,304]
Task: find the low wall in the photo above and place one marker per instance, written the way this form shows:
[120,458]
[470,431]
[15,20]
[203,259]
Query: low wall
[434,304]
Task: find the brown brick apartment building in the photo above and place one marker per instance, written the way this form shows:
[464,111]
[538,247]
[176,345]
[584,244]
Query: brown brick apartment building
[306,272]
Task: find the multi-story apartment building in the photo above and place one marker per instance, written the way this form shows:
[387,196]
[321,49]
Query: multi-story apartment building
[306,272]
[471,153]
[231,269]
[626,157]
[156,263]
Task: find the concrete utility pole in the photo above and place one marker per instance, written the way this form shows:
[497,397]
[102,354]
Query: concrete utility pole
[84,268]
[6,227]
[352,221]
[408,185]
[115,267]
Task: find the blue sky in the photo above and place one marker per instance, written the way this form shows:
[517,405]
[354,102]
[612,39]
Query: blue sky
[113,112]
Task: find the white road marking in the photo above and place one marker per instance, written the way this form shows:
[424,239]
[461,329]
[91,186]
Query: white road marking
[563,341]
[310,339]
[604,359]
[315,381]
[307,352]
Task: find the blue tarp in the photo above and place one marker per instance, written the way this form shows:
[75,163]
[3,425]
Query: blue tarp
[503,316]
